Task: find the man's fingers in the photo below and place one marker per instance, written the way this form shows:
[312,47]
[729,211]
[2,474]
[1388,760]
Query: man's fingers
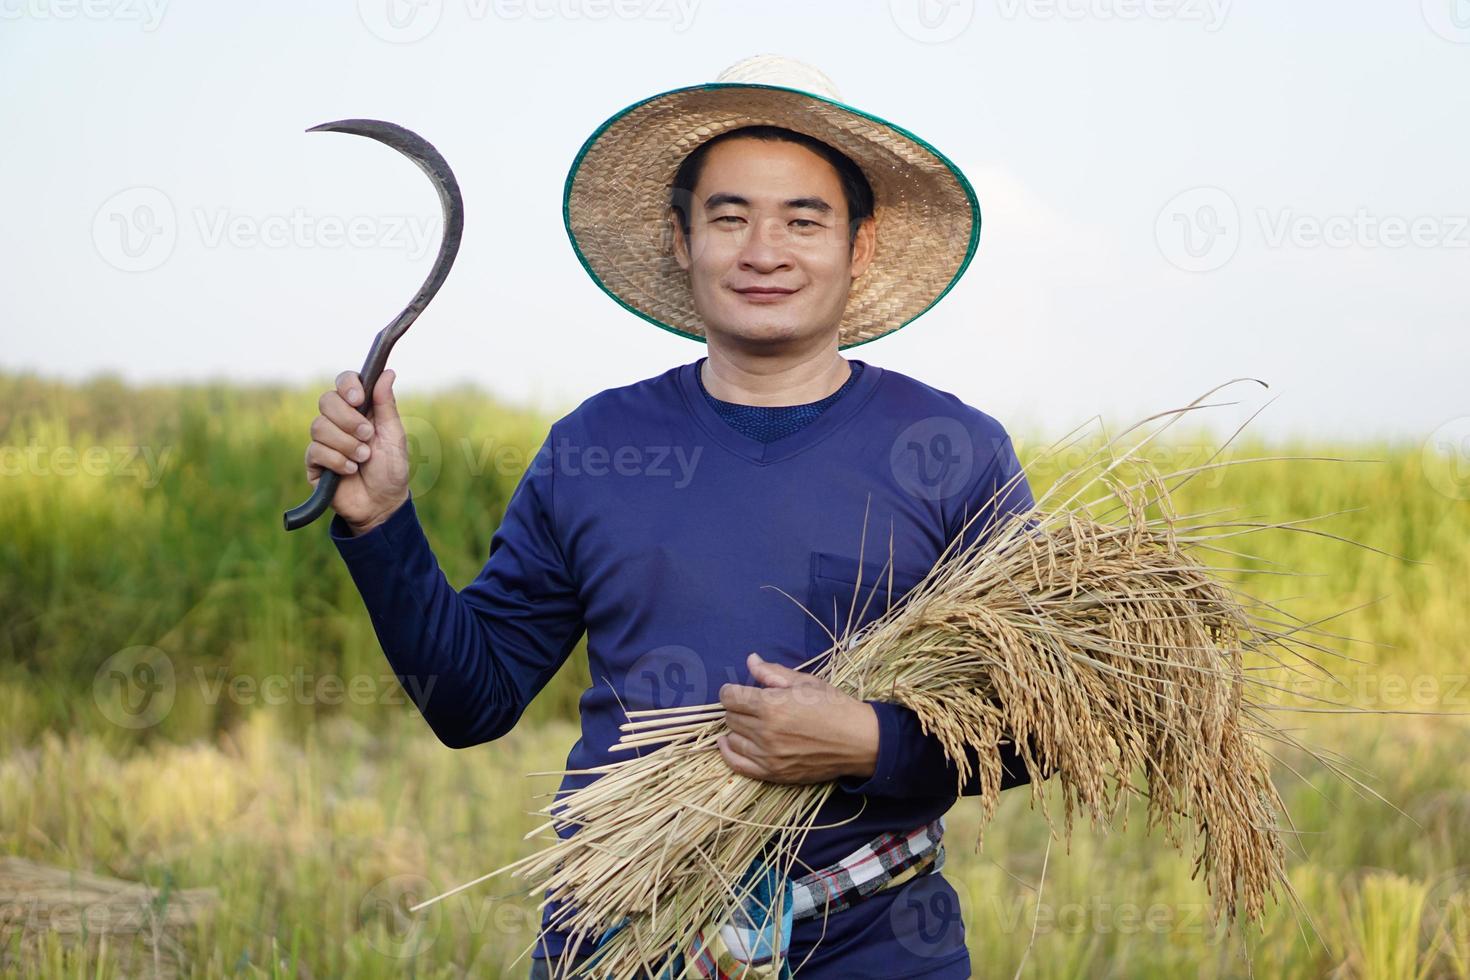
[349,386]
[772,674]
[385,403]
[320,457]
[741,698]
[738,762]
[744,746]
[747,725]
[344,416]
[326,432]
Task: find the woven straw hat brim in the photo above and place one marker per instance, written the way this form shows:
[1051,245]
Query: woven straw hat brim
[616,203]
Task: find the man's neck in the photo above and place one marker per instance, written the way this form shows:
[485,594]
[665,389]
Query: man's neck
[774,381]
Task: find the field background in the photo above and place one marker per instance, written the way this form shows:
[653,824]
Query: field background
[143,525]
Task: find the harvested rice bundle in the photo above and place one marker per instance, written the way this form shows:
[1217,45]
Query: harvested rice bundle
[1089,631]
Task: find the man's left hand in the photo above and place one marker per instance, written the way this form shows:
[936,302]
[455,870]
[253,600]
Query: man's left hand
[796,728]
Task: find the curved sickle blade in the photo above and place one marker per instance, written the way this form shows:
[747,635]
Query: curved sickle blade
[417,149]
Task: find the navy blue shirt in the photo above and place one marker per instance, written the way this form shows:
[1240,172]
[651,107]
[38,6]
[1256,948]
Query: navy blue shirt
[767,422]
[649,524]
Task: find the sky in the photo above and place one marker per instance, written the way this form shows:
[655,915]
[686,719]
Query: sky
[1175,193]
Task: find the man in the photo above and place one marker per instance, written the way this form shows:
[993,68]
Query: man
[762,216]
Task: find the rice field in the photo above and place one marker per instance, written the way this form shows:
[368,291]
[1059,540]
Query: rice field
[271,757]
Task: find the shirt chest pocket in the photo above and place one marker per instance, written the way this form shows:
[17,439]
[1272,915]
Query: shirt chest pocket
[845,601]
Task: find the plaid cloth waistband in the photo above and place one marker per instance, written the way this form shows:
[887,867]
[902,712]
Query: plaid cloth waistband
[885,861]
[753,943]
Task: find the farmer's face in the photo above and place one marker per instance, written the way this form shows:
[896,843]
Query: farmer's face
[768,256]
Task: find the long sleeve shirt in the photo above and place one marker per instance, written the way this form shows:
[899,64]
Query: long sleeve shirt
[666,537]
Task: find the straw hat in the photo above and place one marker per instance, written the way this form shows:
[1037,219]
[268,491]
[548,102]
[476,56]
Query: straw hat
[616,201]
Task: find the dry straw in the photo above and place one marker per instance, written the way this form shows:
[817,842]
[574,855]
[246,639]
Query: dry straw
[1093,631]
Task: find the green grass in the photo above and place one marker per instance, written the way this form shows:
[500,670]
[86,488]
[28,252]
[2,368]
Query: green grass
[188,555]
[311,817]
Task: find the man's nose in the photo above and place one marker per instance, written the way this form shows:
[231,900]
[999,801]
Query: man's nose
[767,245]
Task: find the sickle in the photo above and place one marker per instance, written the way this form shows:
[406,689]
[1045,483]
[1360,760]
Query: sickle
[417,149]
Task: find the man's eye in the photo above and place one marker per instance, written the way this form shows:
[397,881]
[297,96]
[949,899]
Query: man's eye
[730,217]
[805,221]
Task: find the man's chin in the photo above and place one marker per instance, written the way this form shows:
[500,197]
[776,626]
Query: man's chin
[759,333]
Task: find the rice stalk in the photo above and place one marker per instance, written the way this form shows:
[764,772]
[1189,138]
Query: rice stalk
[1089,631]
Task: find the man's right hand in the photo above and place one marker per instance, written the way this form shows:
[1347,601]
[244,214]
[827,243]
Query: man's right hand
[370,453]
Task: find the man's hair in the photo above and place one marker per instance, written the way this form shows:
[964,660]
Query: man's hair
[856,190]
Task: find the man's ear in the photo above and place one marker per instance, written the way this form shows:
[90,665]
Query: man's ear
[681,247]
[864,246]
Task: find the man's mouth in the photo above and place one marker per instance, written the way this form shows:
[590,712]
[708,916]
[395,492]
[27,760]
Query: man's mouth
[765,294]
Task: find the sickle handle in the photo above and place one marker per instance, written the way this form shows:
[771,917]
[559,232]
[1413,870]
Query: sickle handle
[428,159]
[326,485]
